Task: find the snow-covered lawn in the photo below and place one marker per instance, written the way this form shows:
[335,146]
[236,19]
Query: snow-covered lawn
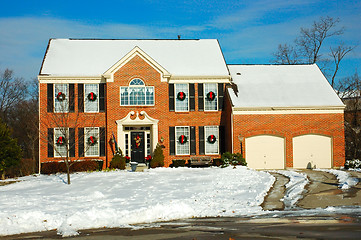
[120,198]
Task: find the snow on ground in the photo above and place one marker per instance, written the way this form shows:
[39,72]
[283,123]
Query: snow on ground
[120,198]
[344,178]
[294,188]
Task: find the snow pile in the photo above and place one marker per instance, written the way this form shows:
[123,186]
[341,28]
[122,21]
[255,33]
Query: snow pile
[344,178]
[120,198]
[294,188]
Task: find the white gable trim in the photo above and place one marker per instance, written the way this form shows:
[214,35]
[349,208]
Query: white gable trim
[109,74]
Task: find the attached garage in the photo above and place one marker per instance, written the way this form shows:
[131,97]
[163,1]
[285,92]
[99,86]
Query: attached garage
[312,151]
[265,152]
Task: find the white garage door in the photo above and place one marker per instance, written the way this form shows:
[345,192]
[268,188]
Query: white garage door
[312,151]
[265,152]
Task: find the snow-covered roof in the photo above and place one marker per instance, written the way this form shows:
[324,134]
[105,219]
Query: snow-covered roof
[91,57]
[281,86]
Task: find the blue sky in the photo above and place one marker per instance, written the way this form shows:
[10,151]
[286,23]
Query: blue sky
[248,31]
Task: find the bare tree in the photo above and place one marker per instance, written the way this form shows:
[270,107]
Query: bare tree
[307,47]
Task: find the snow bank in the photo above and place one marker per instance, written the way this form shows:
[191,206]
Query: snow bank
[294,188]
[121,198]
[344,178]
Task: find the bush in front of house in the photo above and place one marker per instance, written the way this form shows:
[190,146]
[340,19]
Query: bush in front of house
[354,163]
[232,159]
[118,161]
[178,163]
[78,166]
[158,157]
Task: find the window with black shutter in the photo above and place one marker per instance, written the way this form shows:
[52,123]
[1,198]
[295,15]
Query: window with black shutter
[201,140]
[171,140]
[222,146]
[71,142]
[193,141]
[102,97]
[71,98]
[81,97]
[171,97]
[200,97]
[102,141]
[50,97]
[220,96]
[192,101]
[50,142]
[81,142]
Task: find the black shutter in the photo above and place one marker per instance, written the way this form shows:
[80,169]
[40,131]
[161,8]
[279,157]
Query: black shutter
[81,142]
[201,141]
[200,97]
[193,141]
[171,96]
[50,142]
[102,97]
[220,96]
[102,141]
[81,97]
[50,97]
[222,140]
[71,142]
[71,98]
[171,140]
[192,101]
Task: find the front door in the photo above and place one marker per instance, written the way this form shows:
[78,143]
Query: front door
[137,139]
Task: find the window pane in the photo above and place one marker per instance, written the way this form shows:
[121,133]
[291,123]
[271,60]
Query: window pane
[136,82]
[211,134]
[91,142]
[136,96]
[60,150]
[182,149]
[210,89]
[181,105]
[124,96]
[61,105]
[91,91]
[149,95]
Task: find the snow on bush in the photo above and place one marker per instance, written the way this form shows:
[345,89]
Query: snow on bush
[344,178]
[354,163]
[121,198]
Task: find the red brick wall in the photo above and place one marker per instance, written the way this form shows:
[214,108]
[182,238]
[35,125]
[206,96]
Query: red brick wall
[289,126]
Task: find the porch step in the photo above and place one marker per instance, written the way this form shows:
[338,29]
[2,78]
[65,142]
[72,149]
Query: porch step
[140,167]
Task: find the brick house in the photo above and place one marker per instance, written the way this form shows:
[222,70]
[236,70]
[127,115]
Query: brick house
[182,95]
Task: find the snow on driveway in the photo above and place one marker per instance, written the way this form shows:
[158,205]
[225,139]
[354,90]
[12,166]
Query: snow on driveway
[120,198]
[345,180]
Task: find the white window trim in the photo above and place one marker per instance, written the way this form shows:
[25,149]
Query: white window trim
[134,86]
[66,98]
[56,154]
[176,141]
[206,138]
[175,98]
[86,98]
[86,139]
[205,96]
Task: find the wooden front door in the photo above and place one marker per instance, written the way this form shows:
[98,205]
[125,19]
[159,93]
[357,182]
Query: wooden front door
[138,147]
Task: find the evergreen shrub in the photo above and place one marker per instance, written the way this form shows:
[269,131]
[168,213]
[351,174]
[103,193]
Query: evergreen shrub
[233,159]
[79,166]
[158,157]
[354,163]
[118,162]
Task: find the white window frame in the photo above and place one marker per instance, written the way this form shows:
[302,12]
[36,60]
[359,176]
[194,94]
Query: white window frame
[65,102]
[87,131]
[206,134]
[205,98]
[87,102]
[176,94]
[61,130]
[137,86]
[177,144]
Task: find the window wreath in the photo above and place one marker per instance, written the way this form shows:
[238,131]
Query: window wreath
[211,96]
[211,139]
[92,140]
[181,96]
[60,96]
[60,141]
[182,139]
[92,97]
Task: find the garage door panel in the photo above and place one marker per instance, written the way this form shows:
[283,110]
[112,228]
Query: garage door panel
[265,152]
[313,151]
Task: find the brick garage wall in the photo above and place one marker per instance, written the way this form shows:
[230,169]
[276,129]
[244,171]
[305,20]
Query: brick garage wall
[72,120]
[138,68]
[289,126]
